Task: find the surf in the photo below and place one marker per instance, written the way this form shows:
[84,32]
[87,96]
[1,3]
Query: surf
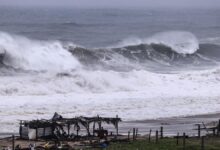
[164,50]
[181,42]
[22,53]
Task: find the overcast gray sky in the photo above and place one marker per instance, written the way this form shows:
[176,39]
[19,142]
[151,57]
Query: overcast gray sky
[114,3]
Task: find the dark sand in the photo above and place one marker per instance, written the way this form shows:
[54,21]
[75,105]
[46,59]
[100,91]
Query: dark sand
[172,125]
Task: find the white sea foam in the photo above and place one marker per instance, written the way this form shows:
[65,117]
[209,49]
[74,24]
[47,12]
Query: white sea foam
[90,92]
[136,93]
[23,53]
[180,41]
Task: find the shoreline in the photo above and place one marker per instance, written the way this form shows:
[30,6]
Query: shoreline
[180,118]
[171,125]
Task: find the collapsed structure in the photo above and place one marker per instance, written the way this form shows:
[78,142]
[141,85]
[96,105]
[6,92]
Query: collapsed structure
[65,128]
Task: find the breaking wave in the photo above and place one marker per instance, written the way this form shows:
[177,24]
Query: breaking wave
[22,53]
[170,49]
[137,88]
[179,41]
[146,56]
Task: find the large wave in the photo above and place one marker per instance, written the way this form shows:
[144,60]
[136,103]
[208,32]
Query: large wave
[106,90]
[170,49]
[23,53]
[179,41]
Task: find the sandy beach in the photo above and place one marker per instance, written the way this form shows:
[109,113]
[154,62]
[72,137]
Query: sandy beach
[171,125]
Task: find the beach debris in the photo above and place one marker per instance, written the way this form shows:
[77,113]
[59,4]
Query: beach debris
[60,128]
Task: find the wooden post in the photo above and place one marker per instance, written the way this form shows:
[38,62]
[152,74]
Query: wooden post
[44,131]
[149,138]
[133,134]
[136,135]
[68,129]
[177,139]
[13,142]
[37,133]
[213,130]
[128,135]
[199,128]
[87,127]
[184,141]
[20,129]
[116,126]
[77,131]
[99,123]
[93,128]
[202,143]
[157,136]
[161,132]
[218,131]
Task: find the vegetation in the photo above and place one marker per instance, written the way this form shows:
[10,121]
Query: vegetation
[210,143]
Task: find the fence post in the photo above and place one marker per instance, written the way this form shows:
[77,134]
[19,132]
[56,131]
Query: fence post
[20,130]
[203,143]
[218,131]
[133,134]
[184,141]
[177,139]
[128,135]
[199,128]
[117,126]
[213,130]
[37,133]
[161,132]
[13,142]
[136,133]
[157,136]
[149,138]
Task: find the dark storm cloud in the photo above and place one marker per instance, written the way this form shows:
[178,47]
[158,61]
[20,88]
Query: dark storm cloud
[114,3]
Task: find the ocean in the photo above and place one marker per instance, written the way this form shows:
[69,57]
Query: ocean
[136,63]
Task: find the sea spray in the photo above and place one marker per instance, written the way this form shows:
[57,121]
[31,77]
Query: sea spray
[27,54]
[181,42]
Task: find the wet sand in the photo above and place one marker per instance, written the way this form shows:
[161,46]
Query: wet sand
[172,125]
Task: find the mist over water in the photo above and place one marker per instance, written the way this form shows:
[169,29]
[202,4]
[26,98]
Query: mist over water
[154,62]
